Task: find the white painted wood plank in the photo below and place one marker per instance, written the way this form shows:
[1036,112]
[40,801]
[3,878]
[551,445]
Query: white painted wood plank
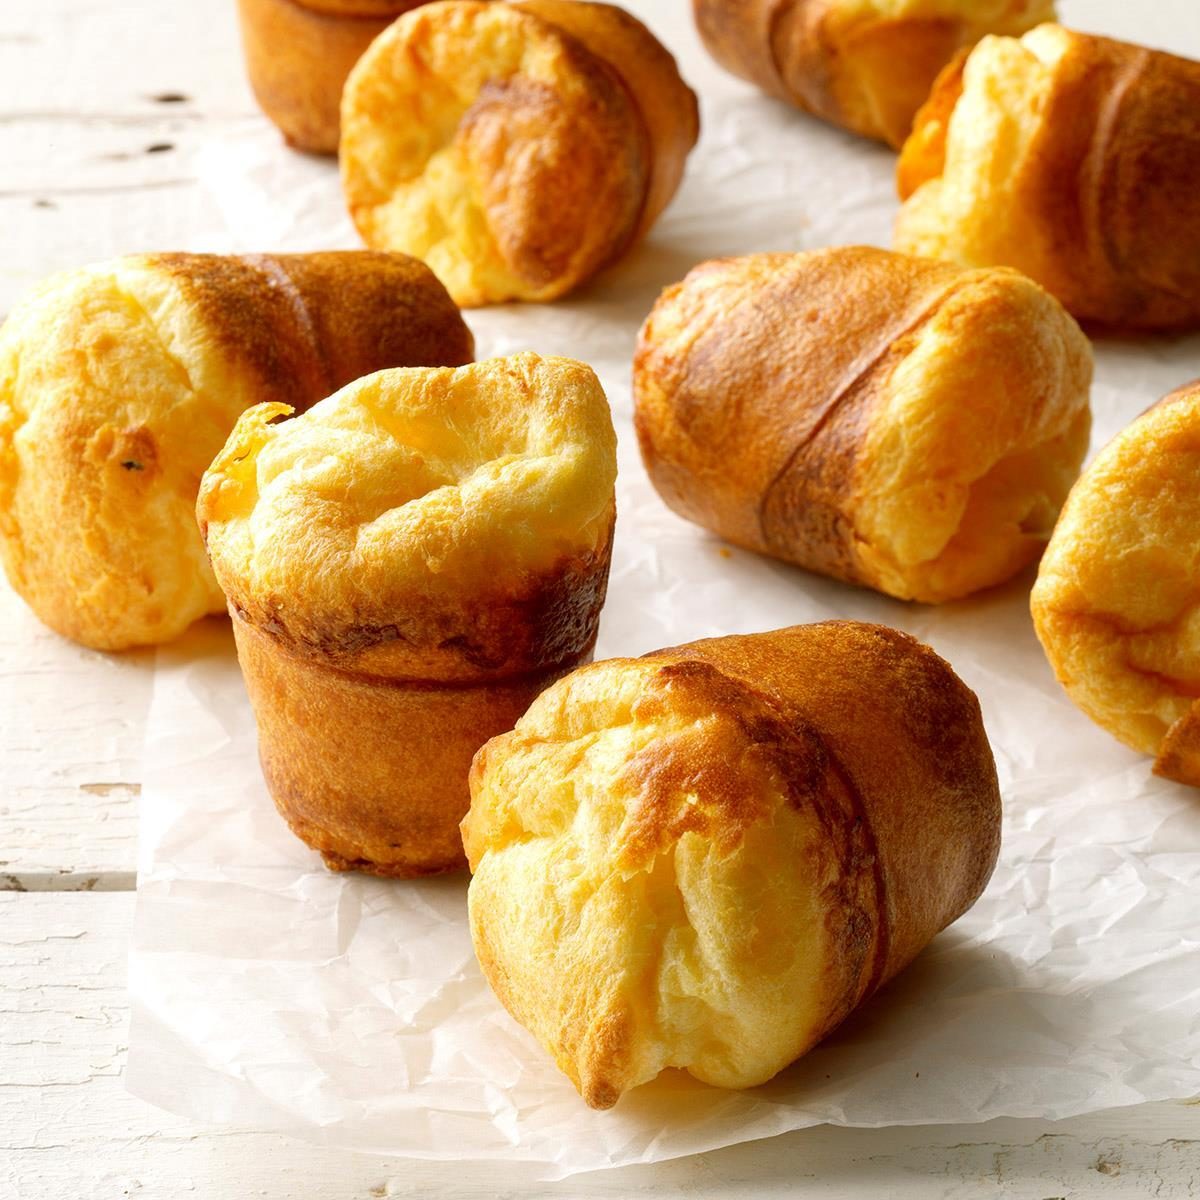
[71,725]
[80,110]
[80,56]
[50,228]
[67,1128]
[101,111]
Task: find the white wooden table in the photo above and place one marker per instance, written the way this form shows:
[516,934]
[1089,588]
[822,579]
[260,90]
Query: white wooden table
[102,106]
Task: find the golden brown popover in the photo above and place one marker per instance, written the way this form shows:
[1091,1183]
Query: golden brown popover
[866,65]
[1117,600]
[1073,158]
[298,54]
[408,564]
[517,148]
[890,421]
[708,857]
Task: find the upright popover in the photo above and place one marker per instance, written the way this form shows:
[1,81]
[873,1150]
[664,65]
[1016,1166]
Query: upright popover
[889,421]
[118,384]
[1073,158]
[298,54]
[408,564]
[1117,599]
[517,148]
[866,65]
[707,858]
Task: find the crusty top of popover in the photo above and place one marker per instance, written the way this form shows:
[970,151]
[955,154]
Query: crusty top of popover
[413,491]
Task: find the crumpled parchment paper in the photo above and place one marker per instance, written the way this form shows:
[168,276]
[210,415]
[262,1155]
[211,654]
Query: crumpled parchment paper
[270,993]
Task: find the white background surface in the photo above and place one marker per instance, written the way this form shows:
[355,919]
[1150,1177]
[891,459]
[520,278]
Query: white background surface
[77,183]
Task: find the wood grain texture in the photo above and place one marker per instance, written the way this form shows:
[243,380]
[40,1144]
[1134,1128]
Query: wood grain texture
[71,723]
[98,159]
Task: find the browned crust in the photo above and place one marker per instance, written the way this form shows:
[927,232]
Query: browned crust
[1074,151]
[1179,755]
[806,510]
[763,738]
[667,106]
[889,744]
[766,414]
[371,772]
[367,9]
[371,310]
[496,636]
[739,35]
[1129,228]
[304,325]
[562,214]
[807,60]
[903,56]
[871,79]
[298,54]
[1112,182]
[254,322]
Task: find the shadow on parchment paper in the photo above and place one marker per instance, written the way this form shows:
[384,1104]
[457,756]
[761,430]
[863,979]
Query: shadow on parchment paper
[899,1015]
[610,308]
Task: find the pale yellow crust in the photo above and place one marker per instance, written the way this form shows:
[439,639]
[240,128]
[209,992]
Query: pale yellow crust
[423,486]
[98,531]
[118,384]
[1075,159]
[408,564]
[1117,599]
[516,148]
[866,65]
[708,857]
[889,421]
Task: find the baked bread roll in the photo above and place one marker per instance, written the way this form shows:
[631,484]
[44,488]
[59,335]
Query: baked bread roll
[1073,158]
[408,564]
[516,148]
[298,54]
[866,65]
[708,857]
[889,421]
[118,384]
[1117,600]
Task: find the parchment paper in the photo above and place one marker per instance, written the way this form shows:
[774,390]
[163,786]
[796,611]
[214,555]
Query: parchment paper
[270,993]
